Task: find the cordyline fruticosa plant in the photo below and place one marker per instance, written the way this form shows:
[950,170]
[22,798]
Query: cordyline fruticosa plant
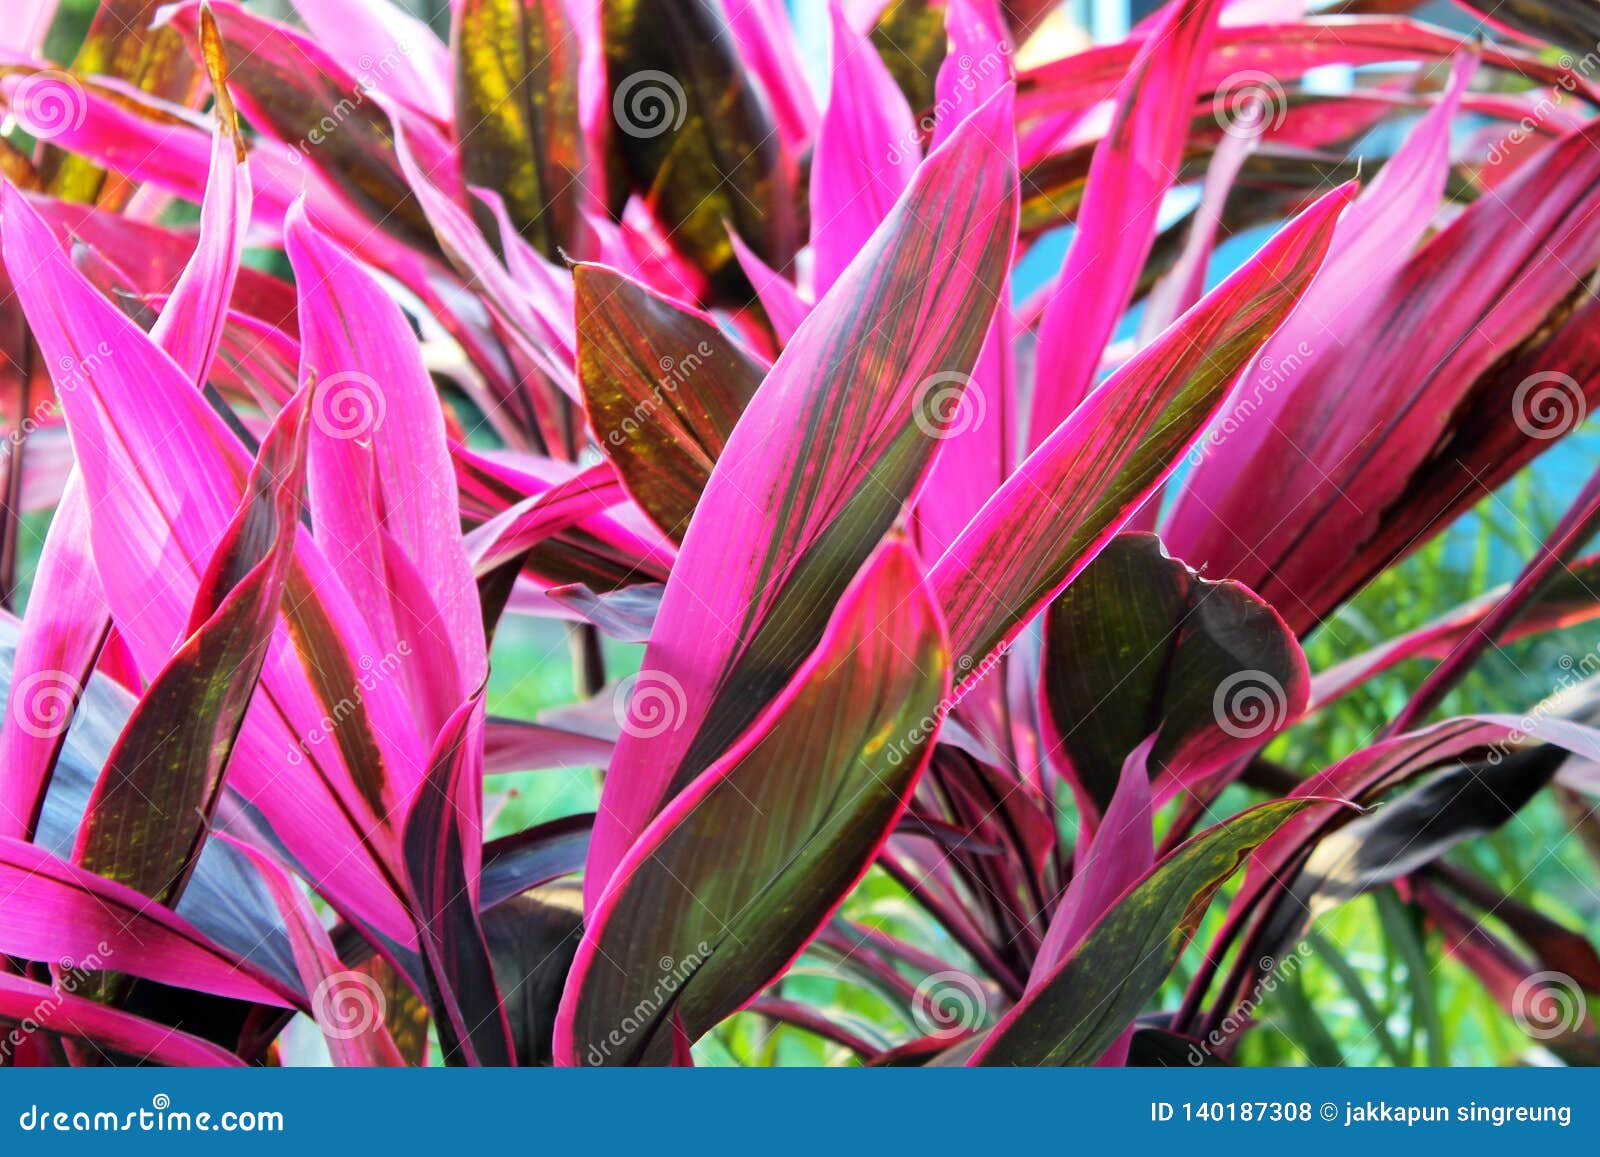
[985,594]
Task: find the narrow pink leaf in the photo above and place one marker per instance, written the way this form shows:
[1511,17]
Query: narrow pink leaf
[56,912]
[1077,489]
[39,1007]
[1131,172]
[379,461]
[359,1040]
[816,471]
[866,152]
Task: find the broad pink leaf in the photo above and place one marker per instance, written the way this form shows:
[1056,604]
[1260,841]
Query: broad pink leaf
[164,476]
[1210,523]
[817,470]
[56,912]
[31,1005]
[1096,469]
[799,806]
